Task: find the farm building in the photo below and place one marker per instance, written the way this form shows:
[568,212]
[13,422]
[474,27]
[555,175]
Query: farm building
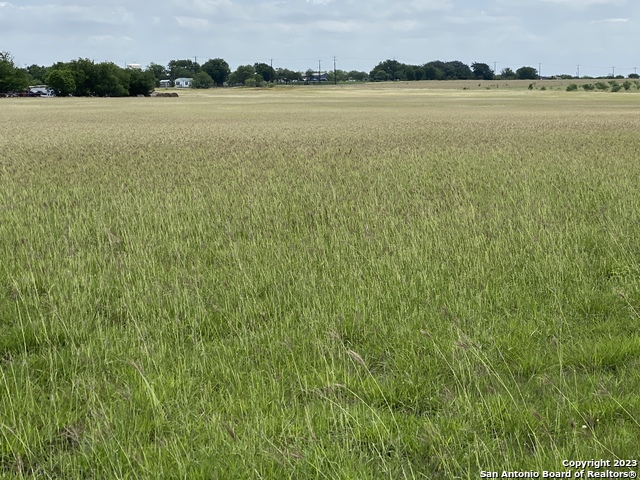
[315,78]
[183,82]
[165,83]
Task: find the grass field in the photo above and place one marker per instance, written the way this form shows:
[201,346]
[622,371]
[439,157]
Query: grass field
[365,283]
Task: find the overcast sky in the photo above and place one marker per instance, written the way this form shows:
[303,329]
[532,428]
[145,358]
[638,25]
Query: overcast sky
[559,34]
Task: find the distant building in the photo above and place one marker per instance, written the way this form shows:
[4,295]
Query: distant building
[165,83]
[134,66]
[40,91]
[315,78]
[183,82]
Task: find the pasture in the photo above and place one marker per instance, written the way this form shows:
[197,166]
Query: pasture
[361,282]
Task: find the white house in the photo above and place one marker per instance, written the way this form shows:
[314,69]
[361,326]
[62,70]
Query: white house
[183,82]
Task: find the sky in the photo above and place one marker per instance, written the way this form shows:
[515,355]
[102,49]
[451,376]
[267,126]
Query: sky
[601,36]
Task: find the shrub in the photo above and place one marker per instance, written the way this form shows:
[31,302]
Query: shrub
[572,88]
[616,88]
[602,86]
[627,85]
[588,87]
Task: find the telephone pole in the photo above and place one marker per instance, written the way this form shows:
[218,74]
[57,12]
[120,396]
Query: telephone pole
[271,71]
[335,72]
[319,71]
[578,72]
[540,71]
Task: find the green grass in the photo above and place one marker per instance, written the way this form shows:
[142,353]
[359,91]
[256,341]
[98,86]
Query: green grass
[298,283]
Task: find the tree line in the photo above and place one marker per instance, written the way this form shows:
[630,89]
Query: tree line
[84,77]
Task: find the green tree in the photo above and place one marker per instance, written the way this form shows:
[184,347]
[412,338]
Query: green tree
[285,75]
[242,73]
[454,70]
[141,82]
[12,78]
[391,68]
[37,74]
[61,81]
[380,76]
[527,73]
[431,72]
[85,75]
[507,74]
[202,80]
[265,71]
[112,80]
[357,76]
[218,70]
[337,76]
[182,69]
[158,71]
[482,71]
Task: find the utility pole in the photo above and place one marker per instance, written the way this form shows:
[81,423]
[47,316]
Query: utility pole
[271,71]
[540,71]
[578,72]
[614,71]
[319,71]
[335,72]
[494,67]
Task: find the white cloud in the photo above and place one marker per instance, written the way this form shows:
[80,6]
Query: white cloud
[193,23]
[581,4]
[612,20]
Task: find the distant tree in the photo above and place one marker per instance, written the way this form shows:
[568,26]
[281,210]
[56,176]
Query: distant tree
[507,74]
[527,73]
[627,85]
[61,81]
[218,70]
[634,75]
[380,76]
[242,73]
[337,76]
[357,76]
[202,80]
[482,71]
[159,72]
[431,72]
[112,80]
[391,68]
[141,82]
[409,73]
[37,74]
[12,78]
[265,71]
[454,70]
[285,75]
[182,69]
[457,70]
[85,75]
